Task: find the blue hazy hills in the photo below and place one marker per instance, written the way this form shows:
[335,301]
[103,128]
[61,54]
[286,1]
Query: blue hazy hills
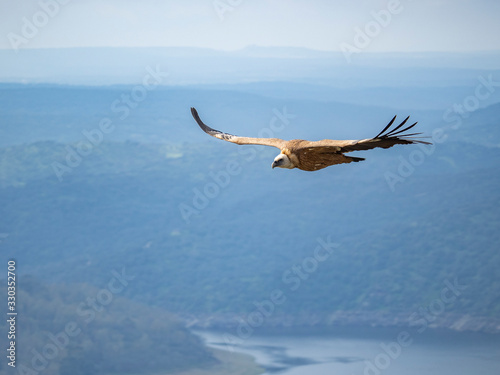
[210,231]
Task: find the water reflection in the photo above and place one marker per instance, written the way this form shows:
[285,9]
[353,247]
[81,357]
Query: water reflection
[376,354]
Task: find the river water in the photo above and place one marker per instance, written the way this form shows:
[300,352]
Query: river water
[381,352]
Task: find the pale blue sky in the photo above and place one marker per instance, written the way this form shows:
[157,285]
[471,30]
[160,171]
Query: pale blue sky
[419,25]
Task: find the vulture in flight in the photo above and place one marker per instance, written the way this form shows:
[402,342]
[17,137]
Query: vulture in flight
[316,155]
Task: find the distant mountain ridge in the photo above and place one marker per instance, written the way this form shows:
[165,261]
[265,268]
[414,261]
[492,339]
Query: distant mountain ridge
[106,66]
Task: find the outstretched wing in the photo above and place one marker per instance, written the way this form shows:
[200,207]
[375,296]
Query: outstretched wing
[386,138]
[275,142]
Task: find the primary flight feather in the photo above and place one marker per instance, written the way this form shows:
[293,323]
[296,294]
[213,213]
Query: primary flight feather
[316,155]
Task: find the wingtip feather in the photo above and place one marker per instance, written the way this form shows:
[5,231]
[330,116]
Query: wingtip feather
[386,127]
[398,135]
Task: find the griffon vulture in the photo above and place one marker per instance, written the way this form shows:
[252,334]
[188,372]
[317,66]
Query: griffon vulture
[313,156]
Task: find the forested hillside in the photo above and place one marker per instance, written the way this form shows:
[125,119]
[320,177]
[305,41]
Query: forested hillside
[80,329]
[210,230]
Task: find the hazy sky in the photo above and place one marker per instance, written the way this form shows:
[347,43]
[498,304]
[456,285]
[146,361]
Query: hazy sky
[418,25]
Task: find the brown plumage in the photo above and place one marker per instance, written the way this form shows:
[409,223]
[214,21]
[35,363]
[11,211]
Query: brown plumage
[316,155]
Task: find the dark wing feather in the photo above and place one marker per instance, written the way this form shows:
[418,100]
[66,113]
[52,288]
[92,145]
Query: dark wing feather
[387,127]
[386,138]
[400,126]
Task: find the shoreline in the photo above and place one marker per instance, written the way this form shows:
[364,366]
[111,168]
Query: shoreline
[229,363]
[340,321]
